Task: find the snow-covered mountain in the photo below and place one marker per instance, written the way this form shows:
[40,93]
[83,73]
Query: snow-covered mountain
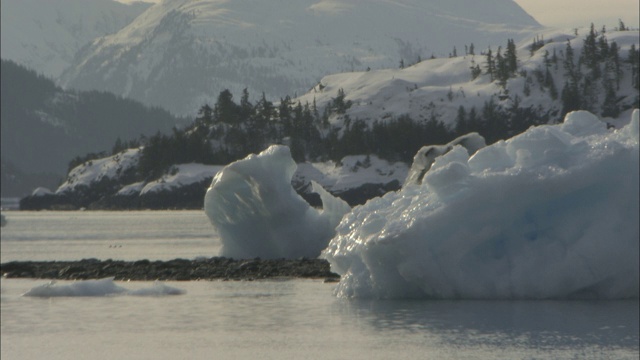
[436,86]
[441,86]
[46,35]
[180,54]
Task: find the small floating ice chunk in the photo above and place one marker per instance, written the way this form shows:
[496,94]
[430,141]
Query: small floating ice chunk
[98,288]
[101,287]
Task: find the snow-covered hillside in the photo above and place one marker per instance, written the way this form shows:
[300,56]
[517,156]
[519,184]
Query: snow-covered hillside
[440,86]
[110,182]
[46,35]
[180,54]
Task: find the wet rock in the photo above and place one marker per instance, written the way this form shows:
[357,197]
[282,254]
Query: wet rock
[178,269]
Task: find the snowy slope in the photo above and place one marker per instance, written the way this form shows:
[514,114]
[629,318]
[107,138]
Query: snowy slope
[46,35]
[115,168]
[441,86]
[91,172]
[181,175]
[351,173]
[180,54]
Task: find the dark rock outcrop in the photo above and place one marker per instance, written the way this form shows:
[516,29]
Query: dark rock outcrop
[216,268]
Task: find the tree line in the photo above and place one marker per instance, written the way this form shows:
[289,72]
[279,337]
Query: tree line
[231,129]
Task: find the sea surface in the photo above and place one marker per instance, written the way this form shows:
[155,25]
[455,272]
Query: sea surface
[285,319]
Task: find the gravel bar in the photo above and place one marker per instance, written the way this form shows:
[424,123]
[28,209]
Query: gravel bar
[216,268]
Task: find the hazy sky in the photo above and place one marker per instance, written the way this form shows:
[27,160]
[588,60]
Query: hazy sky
[575,13]
[580,13]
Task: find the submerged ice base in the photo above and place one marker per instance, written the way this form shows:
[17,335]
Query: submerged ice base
[257,213]
[551,213]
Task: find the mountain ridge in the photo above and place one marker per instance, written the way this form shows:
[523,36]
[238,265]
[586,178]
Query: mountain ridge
[363,142]
[181,54]
[46,35]
[44,127]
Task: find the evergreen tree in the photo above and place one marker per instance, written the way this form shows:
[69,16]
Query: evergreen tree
[550,84]
[339,105]
[475,70]
[226,110]
[634,61]
[511,57]
[285,116]
[590,53]
[494,124]
[621,25]
[612,64]
[538,42]
[527,86]
[609,106]
[461,121]
[570,98]
[491,65]
[603,45]
[502,69]
[205,115]
[570,69]
[246,108]
[473,121]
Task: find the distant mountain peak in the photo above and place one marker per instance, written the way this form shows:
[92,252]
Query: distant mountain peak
[180,54]
[46,35]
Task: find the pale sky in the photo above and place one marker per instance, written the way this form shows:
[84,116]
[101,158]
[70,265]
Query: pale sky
[581,13]
[575,13]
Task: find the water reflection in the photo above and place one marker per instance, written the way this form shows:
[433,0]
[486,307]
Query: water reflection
[535,323]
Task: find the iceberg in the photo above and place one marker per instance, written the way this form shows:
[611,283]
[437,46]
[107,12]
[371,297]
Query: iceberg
[425,157]
[552,213]
[98,288]
[257,212]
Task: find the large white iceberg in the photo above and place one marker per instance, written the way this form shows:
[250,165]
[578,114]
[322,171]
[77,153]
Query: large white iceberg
[257,213]
[551,213]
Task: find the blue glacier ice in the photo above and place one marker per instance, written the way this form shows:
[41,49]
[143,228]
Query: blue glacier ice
[257,213]
[552,213]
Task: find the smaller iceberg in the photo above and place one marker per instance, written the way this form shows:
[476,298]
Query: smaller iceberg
[257,212]
[97,288]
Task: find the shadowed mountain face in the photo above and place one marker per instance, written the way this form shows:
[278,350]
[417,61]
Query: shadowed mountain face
[45,127]
[180,54]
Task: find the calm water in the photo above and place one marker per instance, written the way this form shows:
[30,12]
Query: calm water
[295,319]
[117,235]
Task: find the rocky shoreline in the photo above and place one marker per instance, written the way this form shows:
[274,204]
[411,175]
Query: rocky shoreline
[215,268]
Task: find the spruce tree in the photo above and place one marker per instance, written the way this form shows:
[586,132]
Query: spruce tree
[461,122]
[511,56]
[502,68]
[226,110]
[633,61]
[491,66]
